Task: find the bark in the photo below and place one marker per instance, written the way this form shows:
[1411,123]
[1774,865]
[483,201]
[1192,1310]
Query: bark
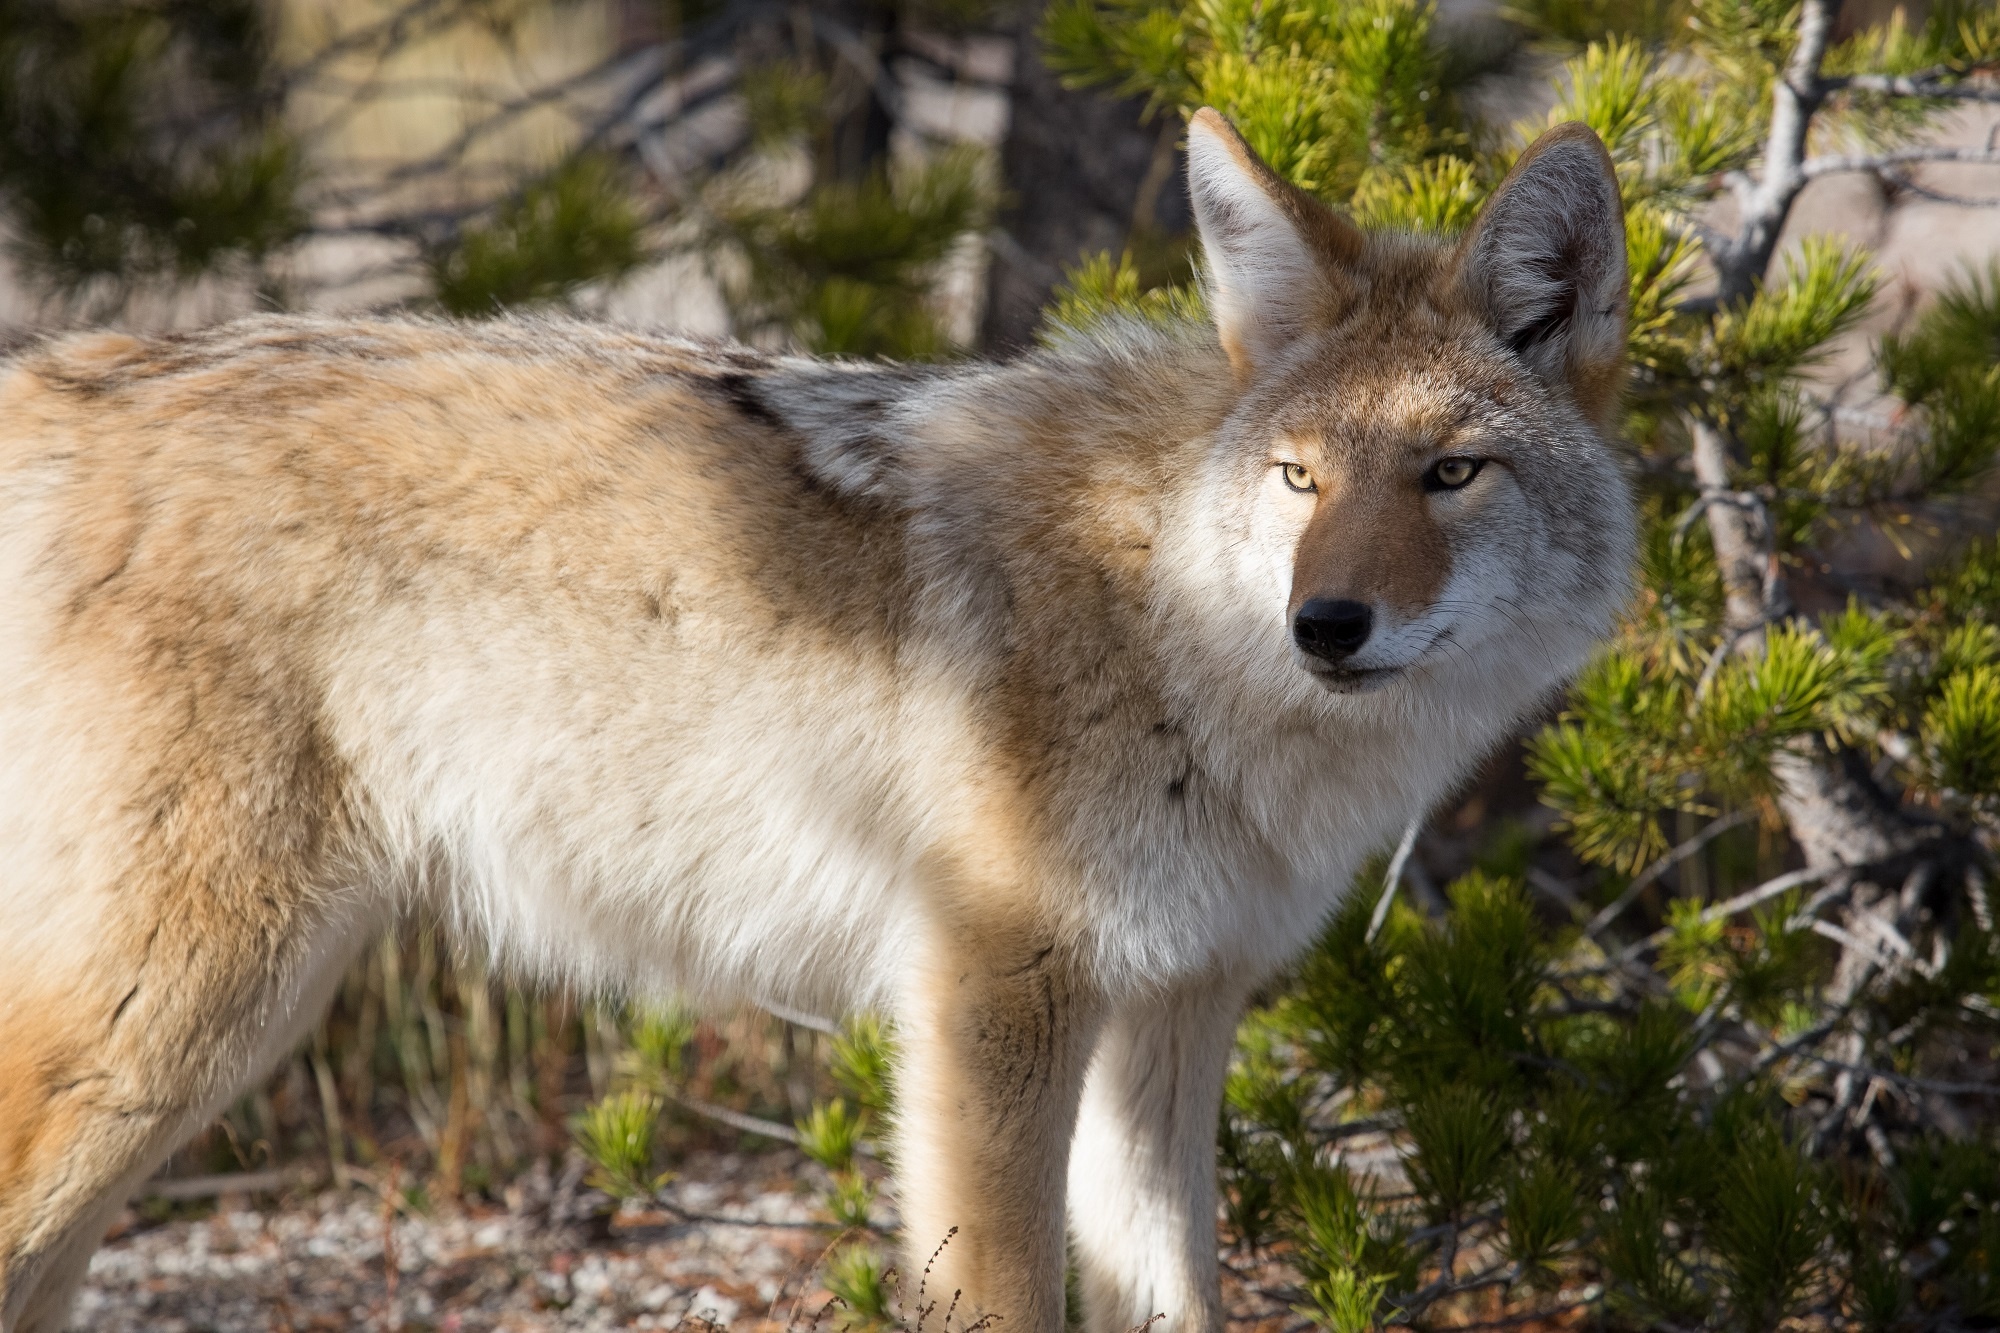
[1833,808]
[1740,530]
[857,140]
[1767,200]
[1835,811]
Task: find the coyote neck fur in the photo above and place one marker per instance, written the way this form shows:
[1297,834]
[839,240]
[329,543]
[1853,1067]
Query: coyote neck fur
[1062,525]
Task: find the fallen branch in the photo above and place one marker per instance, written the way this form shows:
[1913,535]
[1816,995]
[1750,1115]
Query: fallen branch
[231,1182]
[749,1124]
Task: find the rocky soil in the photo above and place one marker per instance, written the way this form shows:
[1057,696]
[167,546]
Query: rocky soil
[733,1244]
[736,1242]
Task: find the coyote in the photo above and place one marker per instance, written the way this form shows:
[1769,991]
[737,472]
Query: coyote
[1047,706]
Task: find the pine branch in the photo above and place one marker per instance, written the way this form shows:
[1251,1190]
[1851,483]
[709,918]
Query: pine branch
[1832,807]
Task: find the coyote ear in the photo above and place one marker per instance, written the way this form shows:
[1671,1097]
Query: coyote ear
[1275,255]
[1546,263]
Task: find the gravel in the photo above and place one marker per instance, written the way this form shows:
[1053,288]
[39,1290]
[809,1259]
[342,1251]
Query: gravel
[735,1243]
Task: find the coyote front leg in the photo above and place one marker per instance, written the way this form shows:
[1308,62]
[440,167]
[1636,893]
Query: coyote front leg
[1142,1169]
[996,1036]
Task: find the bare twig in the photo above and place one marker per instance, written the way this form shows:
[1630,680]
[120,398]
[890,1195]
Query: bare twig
[1903,181]
[1551,887]
[749,1124]
[1763,893]
[329,1101]
[1590,1296]
[1499,1275]
[1394,877]
[1927,83]
[645,67]
[1792,1045]
[1834,164]
[723,1220]
[849,46]
[1665,862]
[1941,1087]
[801,1018]
[392,29]
[1753,589]
[1854,944]
[1773,888]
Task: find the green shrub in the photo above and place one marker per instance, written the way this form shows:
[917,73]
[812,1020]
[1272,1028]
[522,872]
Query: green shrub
[617,1135]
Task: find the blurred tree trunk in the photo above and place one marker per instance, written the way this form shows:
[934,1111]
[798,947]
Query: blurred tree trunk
[862,35]
[1079,168]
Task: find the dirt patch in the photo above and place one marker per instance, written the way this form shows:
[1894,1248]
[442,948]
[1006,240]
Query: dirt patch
[735,1243]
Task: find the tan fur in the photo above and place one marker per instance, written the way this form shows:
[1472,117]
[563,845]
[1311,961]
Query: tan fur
[969,693]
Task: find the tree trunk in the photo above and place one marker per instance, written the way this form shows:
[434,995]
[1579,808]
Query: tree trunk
[1078,167]
[1833,808]
[1835,811]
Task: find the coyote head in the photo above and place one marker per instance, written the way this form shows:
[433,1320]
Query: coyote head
[1415,470]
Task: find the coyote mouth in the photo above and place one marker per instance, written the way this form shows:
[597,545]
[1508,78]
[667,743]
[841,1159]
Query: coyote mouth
[1361,680]
[1353,680]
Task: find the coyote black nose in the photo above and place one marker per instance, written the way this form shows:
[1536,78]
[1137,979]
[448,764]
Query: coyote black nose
[1332,627]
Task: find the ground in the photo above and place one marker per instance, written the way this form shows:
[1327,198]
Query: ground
[736,1246]
[737,1243]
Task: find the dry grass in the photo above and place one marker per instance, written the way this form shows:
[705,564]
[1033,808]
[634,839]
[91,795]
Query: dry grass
[429,1063]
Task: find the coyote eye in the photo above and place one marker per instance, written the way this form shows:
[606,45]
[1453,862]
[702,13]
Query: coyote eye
[1449,474]
[1297,477]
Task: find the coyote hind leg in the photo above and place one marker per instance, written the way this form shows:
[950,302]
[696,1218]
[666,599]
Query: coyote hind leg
[109,1060]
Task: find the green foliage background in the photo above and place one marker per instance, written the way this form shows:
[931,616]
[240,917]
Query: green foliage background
[145,146]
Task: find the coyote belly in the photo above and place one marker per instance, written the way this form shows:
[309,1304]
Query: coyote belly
[1047,706]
